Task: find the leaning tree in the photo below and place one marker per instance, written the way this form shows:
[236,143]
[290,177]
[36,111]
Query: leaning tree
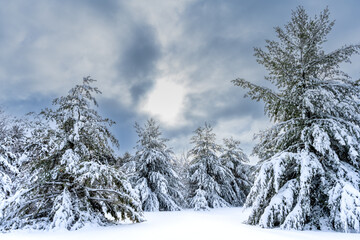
[72,183]
[310,175]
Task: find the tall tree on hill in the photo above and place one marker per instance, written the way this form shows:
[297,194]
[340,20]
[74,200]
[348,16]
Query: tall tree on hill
[209,180]
[74,183]
[310,172]
[155,180]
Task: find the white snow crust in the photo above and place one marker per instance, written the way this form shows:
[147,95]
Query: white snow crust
[219,224]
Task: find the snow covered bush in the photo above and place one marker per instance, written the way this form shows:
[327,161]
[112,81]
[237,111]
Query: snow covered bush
[236,161]
[72,183]
[154,179]
[309,176]
[209,180]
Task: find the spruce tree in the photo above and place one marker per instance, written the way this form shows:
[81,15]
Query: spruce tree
[10,152]
[72,183]
[182,168]
[309,175]
[236,161]
[209,180]
[7,171]
[126,164]
[155,180]
[13,153]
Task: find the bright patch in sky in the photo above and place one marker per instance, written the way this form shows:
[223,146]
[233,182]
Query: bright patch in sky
[165,101]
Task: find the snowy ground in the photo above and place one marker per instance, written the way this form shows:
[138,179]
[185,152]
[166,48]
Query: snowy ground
[215,224]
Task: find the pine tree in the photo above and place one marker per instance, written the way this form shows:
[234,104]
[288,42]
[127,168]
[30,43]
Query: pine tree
[13,141]
[309,177]
[73,183]
[236,161]
[181,166]
[209,180]
[7,170]
[155,180]
[126,158]
[126,164]
[8,157]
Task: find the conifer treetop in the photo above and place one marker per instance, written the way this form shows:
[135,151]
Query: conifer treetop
[77,118]
[297,62]
[309,159]
[149,136]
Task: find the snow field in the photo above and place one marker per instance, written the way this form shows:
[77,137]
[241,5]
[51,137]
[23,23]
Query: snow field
[219,224]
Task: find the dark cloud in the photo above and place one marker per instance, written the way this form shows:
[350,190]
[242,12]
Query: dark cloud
[48,46]
[106,8]
[224,34]
[138,61]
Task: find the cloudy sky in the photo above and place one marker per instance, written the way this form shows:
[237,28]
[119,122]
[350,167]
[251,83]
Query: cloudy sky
[170,60]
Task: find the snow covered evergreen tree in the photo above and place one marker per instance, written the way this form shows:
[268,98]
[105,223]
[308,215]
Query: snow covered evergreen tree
[127,157]
[209,181]
[181,166]
[236,161]
[310,175]
[9,155]
[155,180]
[73,184]
[13,142]
[126,164]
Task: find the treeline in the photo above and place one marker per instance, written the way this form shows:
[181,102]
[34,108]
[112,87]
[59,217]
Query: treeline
[58,169]
[308,177]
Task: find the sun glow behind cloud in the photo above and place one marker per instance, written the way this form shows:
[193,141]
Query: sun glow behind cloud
[165,102]
[171,60]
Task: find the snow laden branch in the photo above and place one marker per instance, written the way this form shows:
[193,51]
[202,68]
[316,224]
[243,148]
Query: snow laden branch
[154,178]
[69,180]
[216,181]
[309,174]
